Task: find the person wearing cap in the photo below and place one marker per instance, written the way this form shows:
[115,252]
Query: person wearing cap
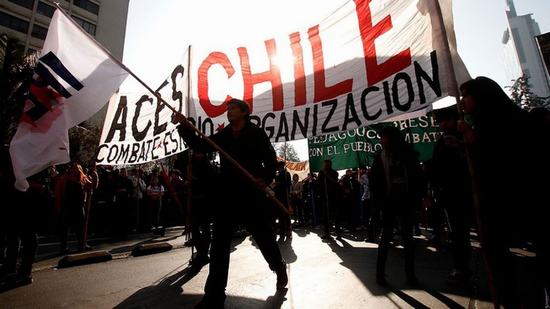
[452,189]
[241,202]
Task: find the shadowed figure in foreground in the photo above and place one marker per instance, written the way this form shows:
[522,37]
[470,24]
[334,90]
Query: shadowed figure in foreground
[243,203]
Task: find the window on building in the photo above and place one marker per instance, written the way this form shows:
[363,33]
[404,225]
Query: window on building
[24,3]
[13,22]
[87,5]
[44,9]
[88,26]
[39,32]
[519,46]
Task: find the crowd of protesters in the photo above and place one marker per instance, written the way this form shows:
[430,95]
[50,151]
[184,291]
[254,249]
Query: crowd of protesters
[87,202]
[475,181]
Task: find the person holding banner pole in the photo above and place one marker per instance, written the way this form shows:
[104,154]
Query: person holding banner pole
[439,21]
[229,161]
[250,146]
[487,132]
[452,191]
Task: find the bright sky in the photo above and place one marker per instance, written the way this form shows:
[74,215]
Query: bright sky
[158,32]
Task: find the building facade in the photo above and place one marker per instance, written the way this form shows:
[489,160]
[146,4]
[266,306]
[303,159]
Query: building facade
[523,51]
[28,21]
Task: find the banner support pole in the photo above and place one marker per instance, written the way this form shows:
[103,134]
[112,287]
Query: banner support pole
[471,165]
[188,222]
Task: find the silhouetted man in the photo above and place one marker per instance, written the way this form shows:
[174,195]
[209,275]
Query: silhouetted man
[396,188]
[452,187]
[242,202]
[329,191]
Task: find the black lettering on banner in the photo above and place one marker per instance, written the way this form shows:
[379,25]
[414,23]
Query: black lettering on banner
[111,159]
[364,104]
[167,151]
[100,160]
[134,155]
[210,123]
[350,110]
[142,153]
[123,154]
[176,94]
[174,140]
[422,75]
[395,89]
[333,104]
[315,119]
[297,123]
[283,128]
[159,128]
[155,145]
[149,142]
[140,135]
[387,96]
[121,113]
[269,130]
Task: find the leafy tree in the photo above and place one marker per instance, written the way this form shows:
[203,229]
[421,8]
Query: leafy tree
[16,70]
[83,143]
[287,152]
[525,98]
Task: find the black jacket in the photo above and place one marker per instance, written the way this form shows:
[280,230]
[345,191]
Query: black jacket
[252,149]
[415,184]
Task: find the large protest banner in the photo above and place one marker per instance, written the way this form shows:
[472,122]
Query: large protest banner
[358,147]
[368,61]
[139,129]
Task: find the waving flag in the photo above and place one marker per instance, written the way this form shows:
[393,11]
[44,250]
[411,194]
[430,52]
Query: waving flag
[74,78]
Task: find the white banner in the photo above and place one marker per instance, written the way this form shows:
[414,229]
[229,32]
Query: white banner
[139,129]
[369,61]
[73,80]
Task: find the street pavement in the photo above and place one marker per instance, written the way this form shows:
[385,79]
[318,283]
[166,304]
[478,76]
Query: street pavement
[333,274]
